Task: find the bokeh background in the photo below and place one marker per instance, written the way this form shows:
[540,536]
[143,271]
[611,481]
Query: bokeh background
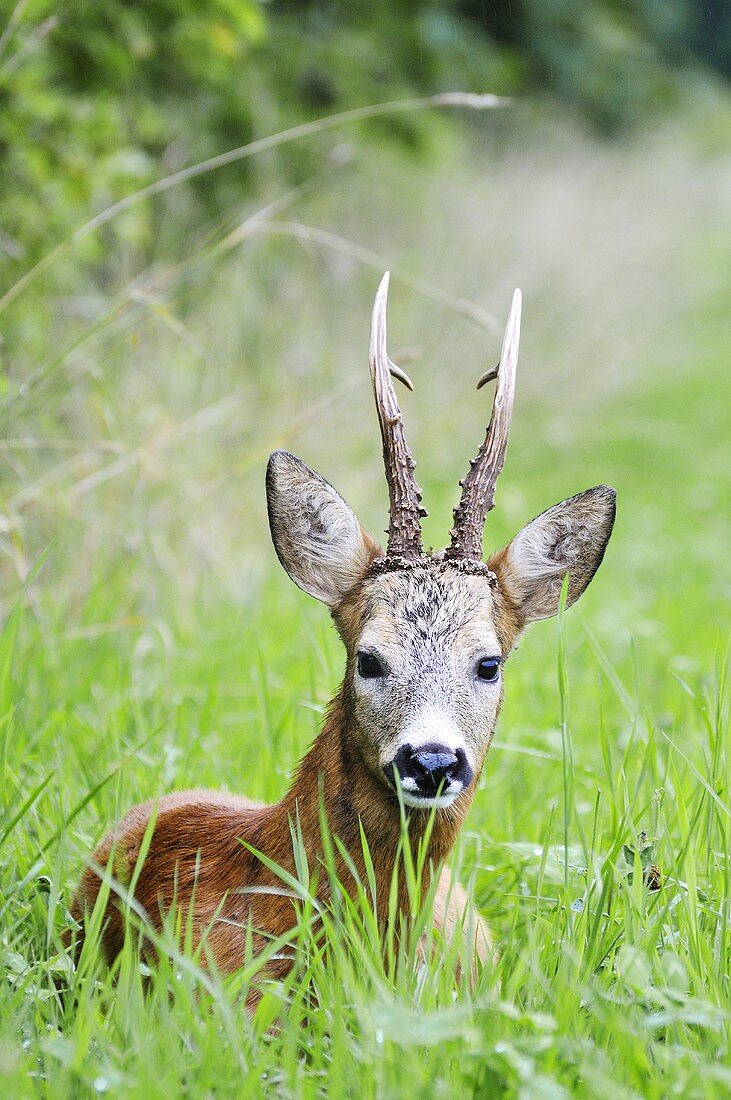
[165,326]
[157,346]
[153,355]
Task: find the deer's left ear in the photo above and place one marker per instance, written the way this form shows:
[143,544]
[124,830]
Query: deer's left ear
[317,536]
[569,538]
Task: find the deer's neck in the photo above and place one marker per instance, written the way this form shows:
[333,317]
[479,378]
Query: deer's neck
[334,774]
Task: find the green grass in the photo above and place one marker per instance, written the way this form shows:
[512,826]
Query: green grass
[155,644]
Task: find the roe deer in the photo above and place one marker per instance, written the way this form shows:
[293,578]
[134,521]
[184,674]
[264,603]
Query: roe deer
[427,637]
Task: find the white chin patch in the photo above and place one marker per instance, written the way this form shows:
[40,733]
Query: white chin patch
[441,801]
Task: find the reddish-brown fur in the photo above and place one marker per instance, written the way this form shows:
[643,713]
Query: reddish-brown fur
[196,851]
[196,859]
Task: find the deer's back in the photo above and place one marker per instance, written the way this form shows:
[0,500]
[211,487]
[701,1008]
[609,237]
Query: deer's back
[195,862]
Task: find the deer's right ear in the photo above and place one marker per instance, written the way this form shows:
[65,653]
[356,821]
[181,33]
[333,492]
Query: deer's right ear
[316,535]
[569,538]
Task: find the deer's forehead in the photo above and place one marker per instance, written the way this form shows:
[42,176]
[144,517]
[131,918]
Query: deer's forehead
[428,607]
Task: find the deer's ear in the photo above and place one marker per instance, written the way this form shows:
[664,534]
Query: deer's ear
[569,538]
[317,536]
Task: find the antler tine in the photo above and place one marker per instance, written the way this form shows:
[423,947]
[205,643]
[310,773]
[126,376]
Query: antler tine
[404,528]
[478,486]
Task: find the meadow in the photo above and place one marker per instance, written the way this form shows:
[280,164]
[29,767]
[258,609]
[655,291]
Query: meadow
[152,642]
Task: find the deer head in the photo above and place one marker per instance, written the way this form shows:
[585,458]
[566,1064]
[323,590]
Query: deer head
[428,634]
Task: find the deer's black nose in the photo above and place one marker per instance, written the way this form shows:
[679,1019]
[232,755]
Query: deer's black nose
[432,767]
[429,770]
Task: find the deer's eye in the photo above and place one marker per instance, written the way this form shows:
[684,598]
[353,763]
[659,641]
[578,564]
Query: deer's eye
[369,666]
[489,669]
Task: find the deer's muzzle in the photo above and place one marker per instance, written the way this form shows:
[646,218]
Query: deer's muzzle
[429,775]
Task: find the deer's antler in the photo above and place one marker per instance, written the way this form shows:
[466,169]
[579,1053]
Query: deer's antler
[404,527]
[478,486]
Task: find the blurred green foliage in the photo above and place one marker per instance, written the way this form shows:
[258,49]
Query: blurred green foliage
[97,100]
[615,59]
